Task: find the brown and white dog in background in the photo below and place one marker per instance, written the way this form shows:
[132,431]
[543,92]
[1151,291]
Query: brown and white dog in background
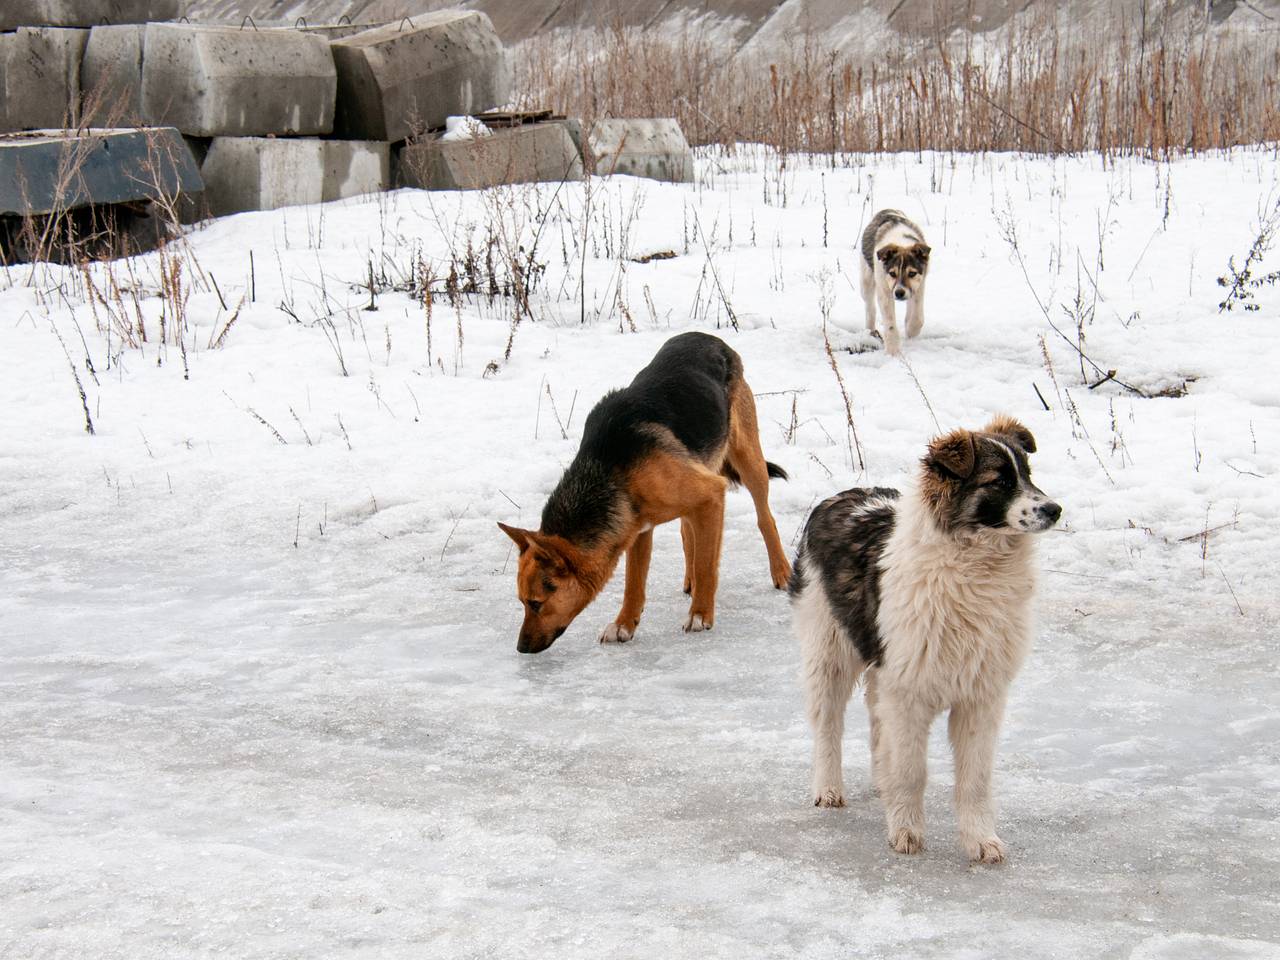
[895,260]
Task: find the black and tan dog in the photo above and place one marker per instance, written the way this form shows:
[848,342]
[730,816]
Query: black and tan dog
[664,448]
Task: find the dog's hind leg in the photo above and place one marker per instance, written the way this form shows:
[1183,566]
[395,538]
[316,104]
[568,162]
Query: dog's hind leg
[747,460]
[973,729]
[624,626]
[904,732]
[686,541]
[830,669]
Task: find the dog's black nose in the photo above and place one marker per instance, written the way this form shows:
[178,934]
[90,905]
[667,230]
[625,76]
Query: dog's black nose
[900,294]
[1050,511]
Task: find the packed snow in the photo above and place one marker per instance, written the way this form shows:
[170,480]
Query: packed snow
[259,692]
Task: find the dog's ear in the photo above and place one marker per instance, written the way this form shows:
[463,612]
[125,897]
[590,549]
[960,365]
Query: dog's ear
[1009,427]
[922,250]
[523,538]
[885,254]
[954,455]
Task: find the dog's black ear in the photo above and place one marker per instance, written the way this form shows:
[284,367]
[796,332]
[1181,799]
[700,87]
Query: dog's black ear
[954,455]
[1013,429]
[922,251]
[885,254]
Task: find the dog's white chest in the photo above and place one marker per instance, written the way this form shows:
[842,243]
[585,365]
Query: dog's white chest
[955,628]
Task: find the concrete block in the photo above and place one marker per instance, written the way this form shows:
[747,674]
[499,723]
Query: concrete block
[535,153]
[224,81]
[655,149]
[84,13]
[111,76]
[51,171]
[255,173]
[42,77]
[354,168]
[403,79]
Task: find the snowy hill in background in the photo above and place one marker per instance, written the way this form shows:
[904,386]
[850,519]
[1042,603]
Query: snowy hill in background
[753,26]
[258,686]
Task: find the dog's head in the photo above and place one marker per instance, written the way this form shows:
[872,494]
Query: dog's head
[982,481]
[905,266]
[549,585]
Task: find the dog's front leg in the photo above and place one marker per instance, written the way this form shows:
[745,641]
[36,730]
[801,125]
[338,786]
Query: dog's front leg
[869,296]
[904,732]
[892,339]
[915,313]
[830,670]
[707,520]
[624,627]
[973,729]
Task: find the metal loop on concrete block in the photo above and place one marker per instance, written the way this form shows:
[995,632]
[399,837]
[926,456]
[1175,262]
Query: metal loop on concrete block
[249,21]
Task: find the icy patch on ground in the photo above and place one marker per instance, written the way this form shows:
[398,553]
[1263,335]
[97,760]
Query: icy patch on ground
[258,688]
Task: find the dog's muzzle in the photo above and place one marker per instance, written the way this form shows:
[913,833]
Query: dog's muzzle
[901,293]
[532,644]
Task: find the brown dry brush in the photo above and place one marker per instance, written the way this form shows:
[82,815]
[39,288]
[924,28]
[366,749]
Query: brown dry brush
[1045,88]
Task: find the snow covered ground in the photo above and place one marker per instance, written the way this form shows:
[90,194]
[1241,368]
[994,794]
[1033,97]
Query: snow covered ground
[259,694]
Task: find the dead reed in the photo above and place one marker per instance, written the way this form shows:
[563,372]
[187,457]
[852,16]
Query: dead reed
[1162,86]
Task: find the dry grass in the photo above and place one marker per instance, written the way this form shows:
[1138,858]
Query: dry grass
[1170,88]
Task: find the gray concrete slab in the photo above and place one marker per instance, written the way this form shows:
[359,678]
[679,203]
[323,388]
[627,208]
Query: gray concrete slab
[354,168]
[655,149]
[42,77]
[111,76]
[51,171]
[536,153]
[262,173]
[224,81]
[84,13]
[403,79]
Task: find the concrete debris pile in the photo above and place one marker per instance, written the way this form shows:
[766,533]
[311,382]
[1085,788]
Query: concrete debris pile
[254,117]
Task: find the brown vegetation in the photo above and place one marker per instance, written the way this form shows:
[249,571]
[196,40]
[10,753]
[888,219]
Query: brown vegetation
[1170,88]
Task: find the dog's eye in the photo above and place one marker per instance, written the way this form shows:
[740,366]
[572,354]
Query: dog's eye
[894,274]
[535,606]
[912,274]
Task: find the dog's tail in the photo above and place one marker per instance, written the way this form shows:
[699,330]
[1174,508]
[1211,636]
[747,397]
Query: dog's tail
[730,474]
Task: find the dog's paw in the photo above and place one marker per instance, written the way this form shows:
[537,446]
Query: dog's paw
[905,840]
[697,623]
[781,576]
[616,633]
[989,850]
[829,797]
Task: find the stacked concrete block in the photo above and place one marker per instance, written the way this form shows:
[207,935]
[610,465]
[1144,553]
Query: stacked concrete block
[533,153]
[111,76]
[655,149]
[41,75]
[253,173]
[52,171]
[223,81]
[84,13]
[404,79]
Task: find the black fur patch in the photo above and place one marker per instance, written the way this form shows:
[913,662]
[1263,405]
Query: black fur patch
[844,539]
[685,389]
